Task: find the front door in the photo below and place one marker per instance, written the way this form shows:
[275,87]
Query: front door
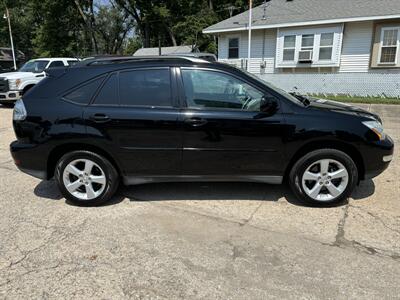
[134,116]
[225,132]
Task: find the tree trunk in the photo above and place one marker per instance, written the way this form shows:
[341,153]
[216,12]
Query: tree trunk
[171,35]
[147,35]
[88,24]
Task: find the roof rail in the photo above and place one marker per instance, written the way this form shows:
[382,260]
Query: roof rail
[123,59]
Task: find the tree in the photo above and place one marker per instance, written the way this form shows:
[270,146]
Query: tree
[176,22]
[84,28]
[112,27]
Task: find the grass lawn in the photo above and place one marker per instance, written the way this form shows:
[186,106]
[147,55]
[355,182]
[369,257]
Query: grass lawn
[369,100]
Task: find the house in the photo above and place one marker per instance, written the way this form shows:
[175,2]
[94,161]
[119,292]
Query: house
[318,46]
[6,59]
[165,50]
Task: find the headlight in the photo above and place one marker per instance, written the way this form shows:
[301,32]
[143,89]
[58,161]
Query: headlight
[376,127]
[19,113]
[14,83]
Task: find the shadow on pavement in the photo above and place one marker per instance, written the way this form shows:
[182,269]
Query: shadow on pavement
[365,189]
[49,190]
[6,106]
[212,191]
[202,191]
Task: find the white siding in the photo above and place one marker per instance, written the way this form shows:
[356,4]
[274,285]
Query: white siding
[256,49]
[357,44]
[355,51]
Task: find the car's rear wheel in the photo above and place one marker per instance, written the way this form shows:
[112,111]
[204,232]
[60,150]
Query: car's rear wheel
[324,176]
[86,178]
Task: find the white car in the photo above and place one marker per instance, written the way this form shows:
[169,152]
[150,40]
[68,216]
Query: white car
[14,84]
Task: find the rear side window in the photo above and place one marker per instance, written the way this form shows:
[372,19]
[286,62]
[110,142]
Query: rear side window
[54,64]
[84,93]
[145,88]
[72,62]
[108,94]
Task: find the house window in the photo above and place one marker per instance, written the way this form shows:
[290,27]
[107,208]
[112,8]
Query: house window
[233,51]
[389,45]
[326,46]
[310,47]
[289,47]
[307,42]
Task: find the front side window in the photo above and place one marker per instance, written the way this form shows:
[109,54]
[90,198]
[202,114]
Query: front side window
[145,88]
[35,66]
[289,47]
[389,45]
[210,89]
[233,48]
[326,46]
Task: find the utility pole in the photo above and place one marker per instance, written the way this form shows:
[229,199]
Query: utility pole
[249,39]
[7,16]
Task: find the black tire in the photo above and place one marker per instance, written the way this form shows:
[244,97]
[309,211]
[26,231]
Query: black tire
[111,174]
[307,160]
[27,89]
[8,104]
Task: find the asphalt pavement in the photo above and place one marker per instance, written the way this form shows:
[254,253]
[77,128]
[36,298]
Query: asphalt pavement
[199,240]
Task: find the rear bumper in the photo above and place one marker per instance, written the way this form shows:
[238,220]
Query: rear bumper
[377,157]
[10,96]
[30,159]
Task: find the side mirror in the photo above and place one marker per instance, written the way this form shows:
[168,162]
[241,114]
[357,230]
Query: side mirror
[269,105]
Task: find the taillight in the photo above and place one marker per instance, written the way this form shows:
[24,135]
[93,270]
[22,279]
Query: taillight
[19,111]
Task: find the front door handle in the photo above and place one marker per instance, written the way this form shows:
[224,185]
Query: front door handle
[195,122]
[100,118]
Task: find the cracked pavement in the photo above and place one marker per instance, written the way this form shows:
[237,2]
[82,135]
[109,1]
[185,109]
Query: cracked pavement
[198,240]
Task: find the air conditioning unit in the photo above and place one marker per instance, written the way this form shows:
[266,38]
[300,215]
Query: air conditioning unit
[305,56]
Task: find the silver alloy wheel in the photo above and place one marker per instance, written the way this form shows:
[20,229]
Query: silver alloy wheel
[325,180]
[84,179]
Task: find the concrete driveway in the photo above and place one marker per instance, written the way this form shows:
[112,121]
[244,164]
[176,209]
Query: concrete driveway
[199,240]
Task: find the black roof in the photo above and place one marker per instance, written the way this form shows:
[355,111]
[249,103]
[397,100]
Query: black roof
[91,68]
[108,60]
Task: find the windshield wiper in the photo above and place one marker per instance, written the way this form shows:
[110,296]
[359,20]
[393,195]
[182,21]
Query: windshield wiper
[303,99]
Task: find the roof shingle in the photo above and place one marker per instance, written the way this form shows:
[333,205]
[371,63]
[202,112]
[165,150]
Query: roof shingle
[297,11]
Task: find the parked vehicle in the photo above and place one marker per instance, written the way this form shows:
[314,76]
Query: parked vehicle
[203,55]
[14,84]
[141,120]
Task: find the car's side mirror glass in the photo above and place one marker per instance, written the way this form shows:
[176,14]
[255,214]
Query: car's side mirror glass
[268,105]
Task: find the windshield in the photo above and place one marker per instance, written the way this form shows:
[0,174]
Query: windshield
[35,66]
[273,87]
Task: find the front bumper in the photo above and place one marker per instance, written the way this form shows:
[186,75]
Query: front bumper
[377,157]
[10,96]
[30,159]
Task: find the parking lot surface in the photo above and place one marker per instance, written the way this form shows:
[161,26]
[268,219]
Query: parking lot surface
[199,240]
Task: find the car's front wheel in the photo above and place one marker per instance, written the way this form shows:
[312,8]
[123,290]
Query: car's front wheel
[324,176]
[86,178]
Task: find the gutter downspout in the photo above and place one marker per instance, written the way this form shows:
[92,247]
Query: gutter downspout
[249,39]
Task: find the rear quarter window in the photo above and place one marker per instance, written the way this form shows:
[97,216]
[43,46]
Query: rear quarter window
[108,94]
[84,93]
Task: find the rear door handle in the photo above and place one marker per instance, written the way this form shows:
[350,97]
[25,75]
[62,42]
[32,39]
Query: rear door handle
[195,122]
[100,118]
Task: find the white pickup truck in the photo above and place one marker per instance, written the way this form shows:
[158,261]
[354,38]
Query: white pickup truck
[14,84]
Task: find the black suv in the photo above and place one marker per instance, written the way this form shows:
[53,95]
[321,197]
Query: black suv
[140,120]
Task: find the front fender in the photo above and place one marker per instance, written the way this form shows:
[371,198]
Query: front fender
[29,82]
